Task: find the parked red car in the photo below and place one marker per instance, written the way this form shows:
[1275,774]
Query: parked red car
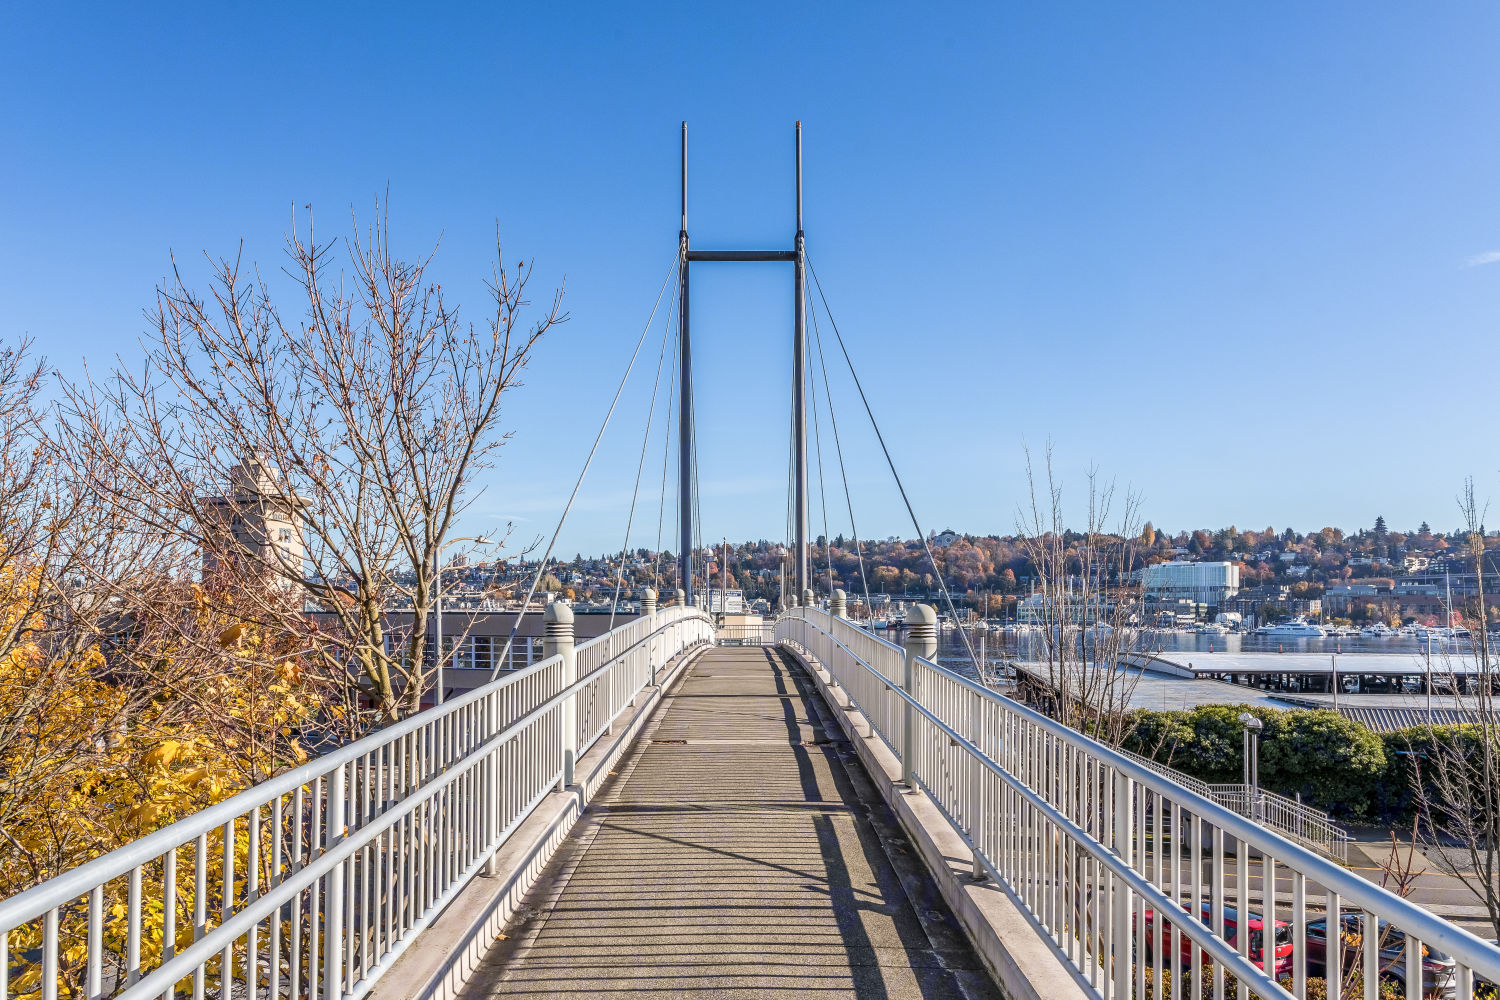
[1255,945]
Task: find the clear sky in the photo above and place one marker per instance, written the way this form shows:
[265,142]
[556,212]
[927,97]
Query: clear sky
[1244,258]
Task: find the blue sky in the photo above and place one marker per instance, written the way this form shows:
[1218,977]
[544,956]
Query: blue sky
[1233,256]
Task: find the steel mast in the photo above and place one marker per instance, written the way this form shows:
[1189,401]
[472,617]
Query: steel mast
[684,405]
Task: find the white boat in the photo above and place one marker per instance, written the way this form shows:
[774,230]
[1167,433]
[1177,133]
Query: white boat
[1297,628]
[1379,630]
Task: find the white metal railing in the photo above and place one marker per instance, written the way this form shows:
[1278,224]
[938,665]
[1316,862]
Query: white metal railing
[739,634]
[311,884]
[1288,817]
[1097,847]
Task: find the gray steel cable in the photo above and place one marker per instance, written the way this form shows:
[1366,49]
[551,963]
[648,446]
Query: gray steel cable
[973,658]
[812,385]
[839,450]
[641,465]
[546,556]
[666,450]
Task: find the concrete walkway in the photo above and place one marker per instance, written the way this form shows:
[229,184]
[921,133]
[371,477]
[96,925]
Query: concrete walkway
[740,851]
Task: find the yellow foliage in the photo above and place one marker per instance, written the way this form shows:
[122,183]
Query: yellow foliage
[89,762]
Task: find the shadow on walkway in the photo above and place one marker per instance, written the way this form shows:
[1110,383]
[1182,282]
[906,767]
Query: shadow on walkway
[750,859]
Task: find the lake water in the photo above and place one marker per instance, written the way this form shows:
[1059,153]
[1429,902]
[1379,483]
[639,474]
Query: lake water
[1027,646]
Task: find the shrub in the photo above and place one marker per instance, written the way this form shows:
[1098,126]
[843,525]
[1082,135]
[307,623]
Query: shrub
[1334,763]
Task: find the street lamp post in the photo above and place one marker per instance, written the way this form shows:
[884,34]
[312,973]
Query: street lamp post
[437,586]
[1252,761]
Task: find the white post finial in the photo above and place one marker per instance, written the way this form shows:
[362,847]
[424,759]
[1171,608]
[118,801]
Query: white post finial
[921,641]
[558,640]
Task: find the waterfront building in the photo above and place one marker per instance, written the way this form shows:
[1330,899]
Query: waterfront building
[1211,583]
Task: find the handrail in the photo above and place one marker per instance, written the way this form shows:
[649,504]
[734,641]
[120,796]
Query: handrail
[71,884]
[216,938]
[1093,781]
[1333,839]
[1216,946]
[407,815]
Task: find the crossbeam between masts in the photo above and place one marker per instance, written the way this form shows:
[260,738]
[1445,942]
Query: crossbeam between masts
[798,258]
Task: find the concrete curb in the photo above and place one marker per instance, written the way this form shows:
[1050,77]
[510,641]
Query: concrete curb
[458,939]
[1023,960]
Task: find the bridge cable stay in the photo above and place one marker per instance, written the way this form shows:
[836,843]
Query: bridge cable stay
[839,451]
[812,395]
[661,357]
[942,586]
[676,494]
[547,556]
[666,450]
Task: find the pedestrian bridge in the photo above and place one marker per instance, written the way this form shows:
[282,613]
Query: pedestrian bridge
[668,811]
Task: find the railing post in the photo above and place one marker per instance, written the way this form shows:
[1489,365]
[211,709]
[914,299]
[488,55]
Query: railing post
[839,605]
[559,640]
[976,785]
[921,640]
[807,597]
[1123,956]
[333,899]
[648,612]
[681,597]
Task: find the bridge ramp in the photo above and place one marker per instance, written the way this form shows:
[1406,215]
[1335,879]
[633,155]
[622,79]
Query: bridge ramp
[739,852]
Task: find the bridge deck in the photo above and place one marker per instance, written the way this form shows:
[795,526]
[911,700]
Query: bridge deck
[740,851]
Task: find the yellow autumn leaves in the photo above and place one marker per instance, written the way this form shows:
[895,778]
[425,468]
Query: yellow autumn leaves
[105,744]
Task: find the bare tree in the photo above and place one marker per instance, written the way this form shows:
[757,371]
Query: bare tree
[1458,769]
[318,464]
[1085,609]
[84,595]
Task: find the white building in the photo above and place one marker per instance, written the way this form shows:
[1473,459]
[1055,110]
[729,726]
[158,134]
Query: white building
[1202,582]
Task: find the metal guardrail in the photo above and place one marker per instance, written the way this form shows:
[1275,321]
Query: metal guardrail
[1097,847]
[311,884]
[1288,817]
[763,634]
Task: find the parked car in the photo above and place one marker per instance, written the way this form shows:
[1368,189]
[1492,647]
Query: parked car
[1255,945]
[1438,969]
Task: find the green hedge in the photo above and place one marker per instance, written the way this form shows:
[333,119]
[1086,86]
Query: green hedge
[1335,763]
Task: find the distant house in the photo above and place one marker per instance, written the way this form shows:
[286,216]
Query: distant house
[945,538]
